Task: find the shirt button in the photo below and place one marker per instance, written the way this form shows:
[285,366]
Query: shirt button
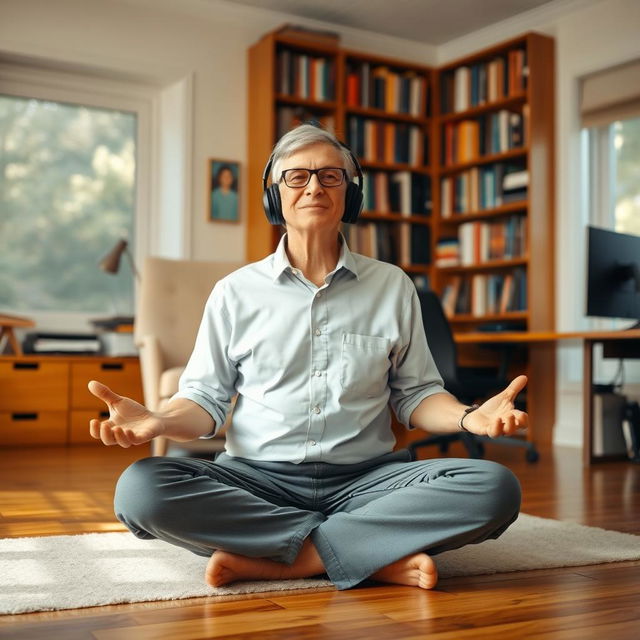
[313,443]
[318,332]
[318,373]
[316,409]
[319,294]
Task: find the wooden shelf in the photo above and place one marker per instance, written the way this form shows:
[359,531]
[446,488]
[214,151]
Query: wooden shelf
[483,160]
[485,266]
[497,212]
[505,103]
[395,217]
[468,318]
[314,105]
[386,115]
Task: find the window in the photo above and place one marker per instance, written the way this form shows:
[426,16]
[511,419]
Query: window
[67,194]
[613,175]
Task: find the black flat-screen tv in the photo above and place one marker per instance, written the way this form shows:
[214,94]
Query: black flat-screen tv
[613,274]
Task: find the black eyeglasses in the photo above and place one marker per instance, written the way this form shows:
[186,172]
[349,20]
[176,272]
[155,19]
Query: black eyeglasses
[327,176]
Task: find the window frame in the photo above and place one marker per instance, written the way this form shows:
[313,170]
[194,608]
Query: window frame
[98,92]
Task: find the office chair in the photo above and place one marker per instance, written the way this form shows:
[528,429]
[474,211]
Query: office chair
[467,387]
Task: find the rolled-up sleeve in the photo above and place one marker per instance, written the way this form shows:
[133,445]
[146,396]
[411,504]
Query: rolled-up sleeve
[413,375]
[209,378]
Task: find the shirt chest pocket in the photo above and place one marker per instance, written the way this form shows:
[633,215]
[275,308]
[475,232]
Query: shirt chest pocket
[365,364]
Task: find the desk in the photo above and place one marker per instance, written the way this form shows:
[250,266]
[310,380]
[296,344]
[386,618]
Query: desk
[617,344]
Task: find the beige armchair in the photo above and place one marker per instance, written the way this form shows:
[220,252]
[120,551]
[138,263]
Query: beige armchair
[170,304]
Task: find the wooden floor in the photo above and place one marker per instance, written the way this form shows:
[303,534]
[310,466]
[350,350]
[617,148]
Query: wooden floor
[45,491]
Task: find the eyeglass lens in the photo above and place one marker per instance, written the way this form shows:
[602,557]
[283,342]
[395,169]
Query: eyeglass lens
[328,176]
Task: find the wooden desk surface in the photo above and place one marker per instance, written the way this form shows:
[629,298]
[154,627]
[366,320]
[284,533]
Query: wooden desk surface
[486,337]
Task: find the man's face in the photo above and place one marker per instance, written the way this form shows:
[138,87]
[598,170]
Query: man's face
[313,207]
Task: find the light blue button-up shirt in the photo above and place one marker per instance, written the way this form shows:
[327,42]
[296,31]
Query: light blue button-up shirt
[314,368]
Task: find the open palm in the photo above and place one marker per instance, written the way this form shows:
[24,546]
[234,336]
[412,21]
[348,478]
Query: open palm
[129,422]
[498,415]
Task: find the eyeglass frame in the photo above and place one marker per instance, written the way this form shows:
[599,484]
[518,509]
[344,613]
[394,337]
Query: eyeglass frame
[315,172]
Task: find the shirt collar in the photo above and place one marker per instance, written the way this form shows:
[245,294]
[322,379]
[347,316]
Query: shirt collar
[281,259]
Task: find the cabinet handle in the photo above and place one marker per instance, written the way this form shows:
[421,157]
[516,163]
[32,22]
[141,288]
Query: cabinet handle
[26,365]
[24,416]
[114,366]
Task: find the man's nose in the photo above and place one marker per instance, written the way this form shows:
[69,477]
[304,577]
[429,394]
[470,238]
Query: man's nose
[314,184]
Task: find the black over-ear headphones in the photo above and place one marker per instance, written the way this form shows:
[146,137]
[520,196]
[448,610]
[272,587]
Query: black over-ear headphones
[352,203]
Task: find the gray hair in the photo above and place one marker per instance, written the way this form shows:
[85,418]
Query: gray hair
[304,136]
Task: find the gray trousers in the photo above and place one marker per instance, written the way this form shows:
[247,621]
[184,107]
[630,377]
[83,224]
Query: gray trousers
[361,517]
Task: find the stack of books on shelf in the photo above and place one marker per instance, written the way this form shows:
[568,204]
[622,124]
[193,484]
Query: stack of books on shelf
[404,244]
[447,252]
[482,188]
[482,242]
[472,85]
[379,87]
[471,139]
[383,141]
[486,294]
[400,192]
[305,76]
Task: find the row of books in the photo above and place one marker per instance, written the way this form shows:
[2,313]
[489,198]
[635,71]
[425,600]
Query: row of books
[469,86]
[485,294]
[391,242]
[380,87]
[289,117]
[469,140]
[482,242]
[304,76]
[390,142]
[481,188]
[400,192]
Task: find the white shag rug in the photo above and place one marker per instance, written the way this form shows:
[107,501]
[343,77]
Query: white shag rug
[68,572]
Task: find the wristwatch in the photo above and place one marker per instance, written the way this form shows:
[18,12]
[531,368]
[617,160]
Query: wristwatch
[467,411]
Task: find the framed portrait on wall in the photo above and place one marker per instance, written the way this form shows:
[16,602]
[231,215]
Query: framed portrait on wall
[223,202]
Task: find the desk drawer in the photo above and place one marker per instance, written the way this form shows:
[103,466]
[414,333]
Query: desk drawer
[34,385]
[122,376]
[38,427]
[79,426]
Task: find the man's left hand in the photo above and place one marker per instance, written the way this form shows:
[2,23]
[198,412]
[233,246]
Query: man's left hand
[498,415]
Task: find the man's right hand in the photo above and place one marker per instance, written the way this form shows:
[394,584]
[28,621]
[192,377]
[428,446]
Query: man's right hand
[129,423]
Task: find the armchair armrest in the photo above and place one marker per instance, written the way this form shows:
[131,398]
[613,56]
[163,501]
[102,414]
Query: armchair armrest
[151,364]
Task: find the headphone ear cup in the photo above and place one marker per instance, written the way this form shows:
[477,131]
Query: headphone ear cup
[273,205]
[352,203]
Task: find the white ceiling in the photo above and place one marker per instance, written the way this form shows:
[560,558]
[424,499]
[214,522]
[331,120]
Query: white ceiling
[427,21]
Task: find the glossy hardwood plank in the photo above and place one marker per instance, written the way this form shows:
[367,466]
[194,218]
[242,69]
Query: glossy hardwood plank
[69,490]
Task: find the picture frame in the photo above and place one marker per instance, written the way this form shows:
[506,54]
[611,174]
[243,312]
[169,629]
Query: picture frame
[223,191]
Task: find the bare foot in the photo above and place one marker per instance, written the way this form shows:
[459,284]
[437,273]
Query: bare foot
[418,570]
[225,567]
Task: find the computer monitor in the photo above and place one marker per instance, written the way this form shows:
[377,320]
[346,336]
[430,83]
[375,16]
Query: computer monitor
[613,274]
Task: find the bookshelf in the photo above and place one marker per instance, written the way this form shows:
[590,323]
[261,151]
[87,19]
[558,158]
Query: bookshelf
[380,107]
[494,202]
[458,166]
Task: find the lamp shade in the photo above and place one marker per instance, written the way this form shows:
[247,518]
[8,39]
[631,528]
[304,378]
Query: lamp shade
[111,262]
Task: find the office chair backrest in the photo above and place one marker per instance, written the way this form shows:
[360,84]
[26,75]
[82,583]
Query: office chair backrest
[439,338]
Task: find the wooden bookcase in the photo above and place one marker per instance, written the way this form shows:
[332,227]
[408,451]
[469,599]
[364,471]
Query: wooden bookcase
[521,111]
[508,235]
